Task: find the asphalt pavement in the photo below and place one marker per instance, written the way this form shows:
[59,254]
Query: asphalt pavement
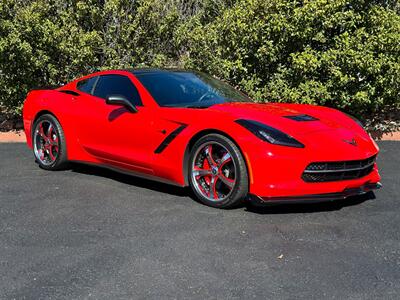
[91,233]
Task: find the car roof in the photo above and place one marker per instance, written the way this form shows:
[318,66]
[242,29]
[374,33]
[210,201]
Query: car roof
[134,71]
[141,71]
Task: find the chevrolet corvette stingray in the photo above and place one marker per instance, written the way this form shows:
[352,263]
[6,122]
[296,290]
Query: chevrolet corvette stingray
[190,129]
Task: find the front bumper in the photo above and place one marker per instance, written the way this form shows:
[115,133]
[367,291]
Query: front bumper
[277,171]
[317,198]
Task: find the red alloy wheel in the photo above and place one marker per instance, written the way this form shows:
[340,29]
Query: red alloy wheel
[46,142]
[213,171]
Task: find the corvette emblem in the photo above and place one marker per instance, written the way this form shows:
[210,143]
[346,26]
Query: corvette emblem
[351,142]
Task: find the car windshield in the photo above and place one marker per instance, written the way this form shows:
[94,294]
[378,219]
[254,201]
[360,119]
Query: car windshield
[188,89]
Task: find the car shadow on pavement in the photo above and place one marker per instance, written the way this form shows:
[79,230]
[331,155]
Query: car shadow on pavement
[130,179]
[186,192]
[310,207]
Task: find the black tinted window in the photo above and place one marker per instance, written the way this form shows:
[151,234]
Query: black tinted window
[86,85]
[117,85]
[185,89]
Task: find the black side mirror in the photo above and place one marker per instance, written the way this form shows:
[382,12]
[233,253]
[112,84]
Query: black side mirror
[121,100]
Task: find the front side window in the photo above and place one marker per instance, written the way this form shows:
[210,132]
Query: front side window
[188,89]
[86,85]
[108,85]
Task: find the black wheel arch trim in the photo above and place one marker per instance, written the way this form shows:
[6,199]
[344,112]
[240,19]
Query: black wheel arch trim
[41,113]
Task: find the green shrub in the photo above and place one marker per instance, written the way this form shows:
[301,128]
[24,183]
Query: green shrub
[344,54]
[340,53]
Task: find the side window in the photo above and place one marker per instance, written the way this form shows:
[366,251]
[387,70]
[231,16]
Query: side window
[86,85]
[117,85]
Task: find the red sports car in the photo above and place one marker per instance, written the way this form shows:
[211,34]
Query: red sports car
[190,129]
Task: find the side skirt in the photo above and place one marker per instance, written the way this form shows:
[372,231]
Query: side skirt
[129,172]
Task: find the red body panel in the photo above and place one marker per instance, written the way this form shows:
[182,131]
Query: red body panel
[111,135]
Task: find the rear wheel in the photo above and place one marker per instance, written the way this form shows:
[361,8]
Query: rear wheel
[49,145]
[217,172]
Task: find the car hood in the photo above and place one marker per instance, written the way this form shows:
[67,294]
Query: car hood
[279,115]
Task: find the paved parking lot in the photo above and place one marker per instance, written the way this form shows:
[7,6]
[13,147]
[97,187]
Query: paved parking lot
[96,234]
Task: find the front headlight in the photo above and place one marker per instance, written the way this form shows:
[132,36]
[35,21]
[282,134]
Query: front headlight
[269,134]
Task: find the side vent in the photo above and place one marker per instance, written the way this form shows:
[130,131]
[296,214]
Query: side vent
[302,118]
[69,92]
[169,139]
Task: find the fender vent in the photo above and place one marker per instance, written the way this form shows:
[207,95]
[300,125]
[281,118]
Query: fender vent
[69,92]
[302,118]
[169,139]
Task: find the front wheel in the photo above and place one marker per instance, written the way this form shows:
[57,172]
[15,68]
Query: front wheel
[49,145]
[217,172]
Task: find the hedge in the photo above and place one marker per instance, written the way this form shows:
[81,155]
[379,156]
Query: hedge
[339,53]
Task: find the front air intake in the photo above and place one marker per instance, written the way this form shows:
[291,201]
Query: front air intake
[337,171]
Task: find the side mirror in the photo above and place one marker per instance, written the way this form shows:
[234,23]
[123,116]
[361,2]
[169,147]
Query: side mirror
[121,100]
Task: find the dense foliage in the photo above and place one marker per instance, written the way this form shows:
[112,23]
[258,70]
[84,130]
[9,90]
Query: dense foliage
[340,53]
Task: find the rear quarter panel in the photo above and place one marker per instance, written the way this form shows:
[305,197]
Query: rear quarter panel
[61,106]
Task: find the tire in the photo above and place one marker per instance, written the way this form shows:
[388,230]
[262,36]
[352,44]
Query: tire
[49,145]
[217,172]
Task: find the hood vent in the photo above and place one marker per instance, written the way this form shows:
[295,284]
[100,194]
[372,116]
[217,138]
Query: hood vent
[301,118]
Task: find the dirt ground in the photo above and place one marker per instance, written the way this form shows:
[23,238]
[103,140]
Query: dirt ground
[12,137]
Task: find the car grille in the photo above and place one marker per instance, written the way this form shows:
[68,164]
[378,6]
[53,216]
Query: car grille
[339,170]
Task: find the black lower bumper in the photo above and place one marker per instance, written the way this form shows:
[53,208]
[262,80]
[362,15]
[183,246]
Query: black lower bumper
[316,198]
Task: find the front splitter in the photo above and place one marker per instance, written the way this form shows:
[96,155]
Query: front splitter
[316,198]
